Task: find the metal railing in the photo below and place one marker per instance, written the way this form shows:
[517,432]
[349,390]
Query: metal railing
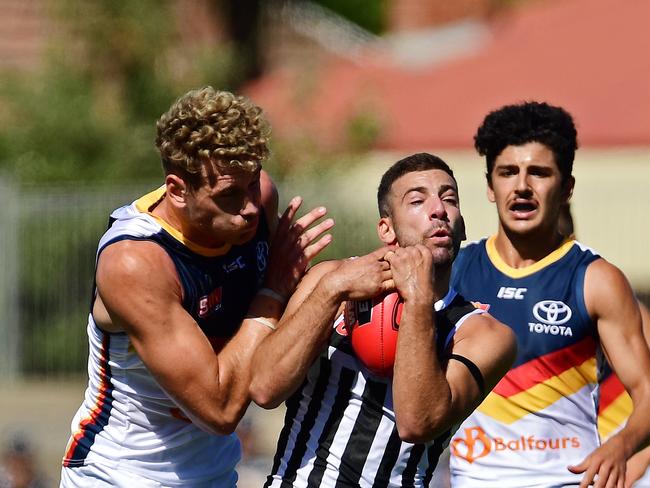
[47,251]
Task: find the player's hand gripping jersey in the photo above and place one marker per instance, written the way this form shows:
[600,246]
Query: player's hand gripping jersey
[542,415]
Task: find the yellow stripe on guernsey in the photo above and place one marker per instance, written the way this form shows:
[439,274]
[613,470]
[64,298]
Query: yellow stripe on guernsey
[149,201]
[510,409]
[502,266]
[614,416]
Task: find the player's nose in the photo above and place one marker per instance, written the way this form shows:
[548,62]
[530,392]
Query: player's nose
[437,209]
[250,208]
[522,183]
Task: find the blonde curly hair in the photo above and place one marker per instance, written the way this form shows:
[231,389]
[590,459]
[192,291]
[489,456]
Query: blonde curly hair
[208,125]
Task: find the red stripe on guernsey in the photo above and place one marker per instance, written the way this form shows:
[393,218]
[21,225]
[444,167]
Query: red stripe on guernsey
[83,438]
[545,367]
[610,389]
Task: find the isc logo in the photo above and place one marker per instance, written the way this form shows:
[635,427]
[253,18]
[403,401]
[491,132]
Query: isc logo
[510,293]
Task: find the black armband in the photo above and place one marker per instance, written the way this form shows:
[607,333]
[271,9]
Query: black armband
[474,371]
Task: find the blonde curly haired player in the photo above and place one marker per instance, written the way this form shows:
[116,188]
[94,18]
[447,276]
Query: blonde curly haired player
[189,280]
[210,125]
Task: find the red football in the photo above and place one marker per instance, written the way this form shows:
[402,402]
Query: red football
[373,326]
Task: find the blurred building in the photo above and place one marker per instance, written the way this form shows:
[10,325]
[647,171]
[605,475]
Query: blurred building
[428,82]
[424,84]
[23,33]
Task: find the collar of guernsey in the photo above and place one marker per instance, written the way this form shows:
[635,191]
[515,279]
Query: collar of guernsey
[508,270]
[148,202]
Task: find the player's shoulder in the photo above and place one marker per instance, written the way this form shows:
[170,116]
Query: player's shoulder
[135,261]
[607,290]
[600,269]
[605,276]
[487,331]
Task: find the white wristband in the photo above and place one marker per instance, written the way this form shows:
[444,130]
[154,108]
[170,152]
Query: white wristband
[263,321]
[274,295]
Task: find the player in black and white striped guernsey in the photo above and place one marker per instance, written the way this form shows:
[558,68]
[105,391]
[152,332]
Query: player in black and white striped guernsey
[345,426]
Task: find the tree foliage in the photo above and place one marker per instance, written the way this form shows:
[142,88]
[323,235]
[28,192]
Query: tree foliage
[89,114]
[369,14]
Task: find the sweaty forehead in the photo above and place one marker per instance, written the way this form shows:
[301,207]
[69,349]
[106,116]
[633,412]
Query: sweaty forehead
[432,180]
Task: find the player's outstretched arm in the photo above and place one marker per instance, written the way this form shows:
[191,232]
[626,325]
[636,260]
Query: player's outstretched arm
[284,357]
[611,303]
[430,395]
[139,292]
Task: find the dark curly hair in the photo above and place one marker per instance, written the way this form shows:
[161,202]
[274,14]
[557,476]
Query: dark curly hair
[415,162]
[514,125]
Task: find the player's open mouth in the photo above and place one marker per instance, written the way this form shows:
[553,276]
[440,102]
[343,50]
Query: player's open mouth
[523,209]
[440,237]
[440,232]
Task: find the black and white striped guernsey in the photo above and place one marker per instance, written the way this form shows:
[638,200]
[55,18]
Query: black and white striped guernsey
[339,428]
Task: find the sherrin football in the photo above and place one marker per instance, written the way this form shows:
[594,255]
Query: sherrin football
[373,326]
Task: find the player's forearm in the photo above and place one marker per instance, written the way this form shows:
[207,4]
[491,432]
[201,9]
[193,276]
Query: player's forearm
[282,361]
[421,395]
[226,390]
[635,435]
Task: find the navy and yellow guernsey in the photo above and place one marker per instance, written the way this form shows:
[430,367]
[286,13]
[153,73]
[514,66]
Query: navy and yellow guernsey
[127,422]
[542,416]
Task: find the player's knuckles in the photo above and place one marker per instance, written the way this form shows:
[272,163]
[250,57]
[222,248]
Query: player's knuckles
[585,482]
[313,250]
[309,218]
[320,228]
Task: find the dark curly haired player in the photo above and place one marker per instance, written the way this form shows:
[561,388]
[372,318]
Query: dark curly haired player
[569,308]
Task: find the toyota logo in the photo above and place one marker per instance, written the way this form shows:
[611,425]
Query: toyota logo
[552,312]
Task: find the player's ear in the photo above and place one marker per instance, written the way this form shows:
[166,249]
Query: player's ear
[461,229]
[176,189]
[385,231]
[490,193]
[567,192]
